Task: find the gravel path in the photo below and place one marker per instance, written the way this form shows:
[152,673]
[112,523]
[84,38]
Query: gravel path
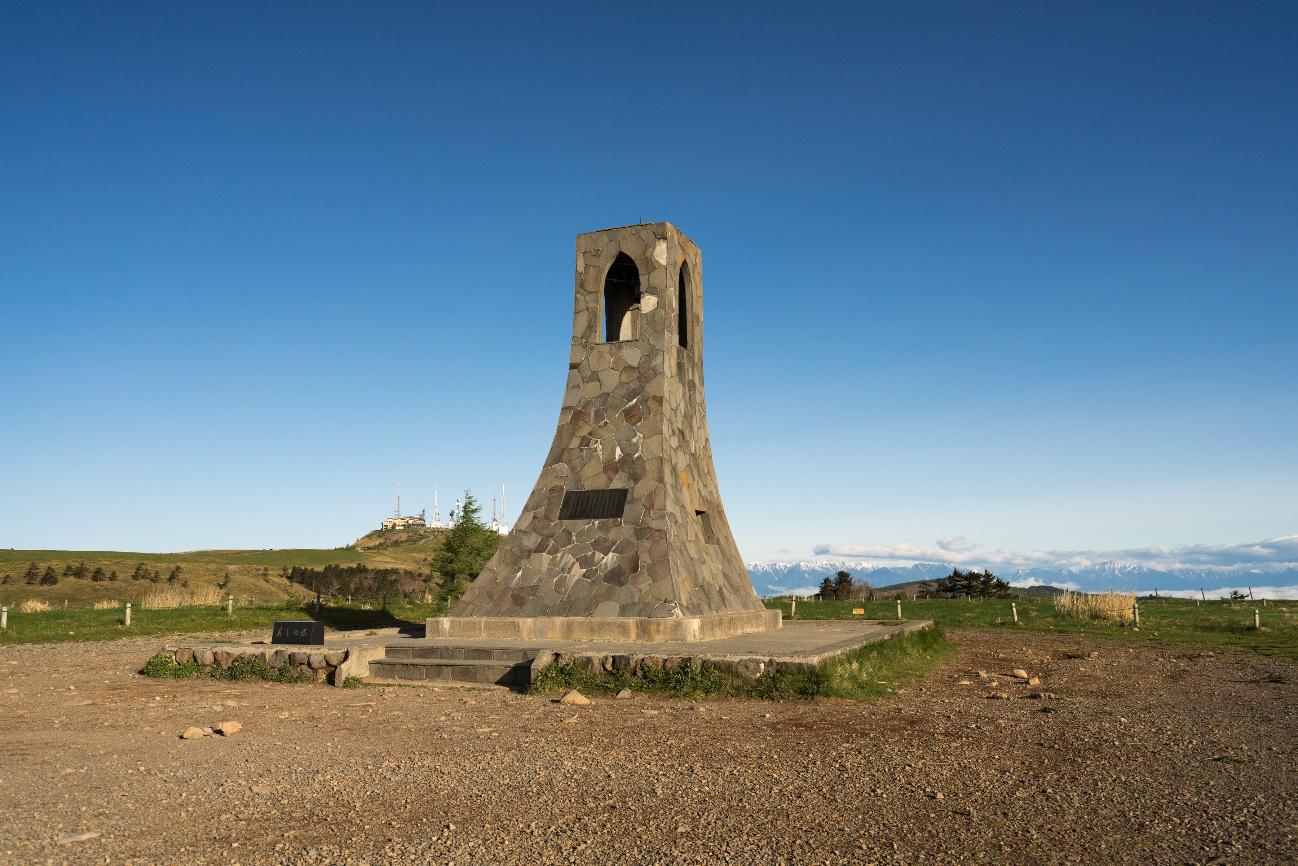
[1150,755]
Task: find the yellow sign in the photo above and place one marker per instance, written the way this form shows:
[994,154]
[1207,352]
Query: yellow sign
[858,611]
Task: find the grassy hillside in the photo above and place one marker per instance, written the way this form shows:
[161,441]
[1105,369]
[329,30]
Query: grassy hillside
[253,573]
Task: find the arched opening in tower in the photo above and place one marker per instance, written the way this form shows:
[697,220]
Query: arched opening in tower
[682,307]
[621,300]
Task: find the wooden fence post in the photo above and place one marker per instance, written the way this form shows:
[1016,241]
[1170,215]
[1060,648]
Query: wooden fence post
[4,617]
[128,615]
[899,608]
[1135,612]
[793,607]
[1014,606]
[1257,619]
[229,605]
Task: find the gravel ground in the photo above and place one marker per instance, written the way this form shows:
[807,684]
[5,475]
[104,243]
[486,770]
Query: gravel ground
[1151,755]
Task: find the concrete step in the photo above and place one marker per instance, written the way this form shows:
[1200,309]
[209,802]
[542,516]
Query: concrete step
[505,673]
[461,653]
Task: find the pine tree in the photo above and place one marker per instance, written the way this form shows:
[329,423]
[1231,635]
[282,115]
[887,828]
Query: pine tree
[98,575]
[50,577]
[843,585]
[112,575]
[465,550]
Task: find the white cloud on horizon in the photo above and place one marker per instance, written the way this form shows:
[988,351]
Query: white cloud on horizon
[1270,554]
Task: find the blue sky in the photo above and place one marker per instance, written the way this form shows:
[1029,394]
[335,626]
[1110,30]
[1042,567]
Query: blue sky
[1021,275]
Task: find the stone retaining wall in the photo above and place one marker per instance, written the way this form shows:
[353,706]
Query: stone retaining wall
[635,665]
[319,665]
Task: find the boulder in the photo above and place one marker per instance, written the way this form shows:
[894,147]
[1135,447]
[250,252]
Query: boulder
[222,658]
[335,657]
[184,656]
[203,656]
[1034,681]
[316,661]
[623,695]
[574,698]
[1019,673]
[193,733]
[228,728]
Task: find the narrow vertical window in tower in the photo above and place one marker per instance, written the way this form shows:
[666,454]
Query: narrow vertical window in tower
[621,300]
[683,306]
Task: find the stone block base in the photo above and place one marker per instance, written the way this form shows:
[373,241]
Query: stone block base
[614,628]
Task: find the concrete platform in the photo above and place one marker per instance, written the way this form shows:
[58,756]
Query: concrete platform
[408,657]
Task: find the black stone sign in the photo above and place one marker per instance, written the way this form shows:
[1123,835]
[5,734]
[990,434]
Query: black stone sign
[592,504]
[298,631]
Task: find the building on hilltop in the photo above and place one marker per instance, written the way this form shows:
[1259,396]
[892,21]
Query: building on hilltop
[397,521]
[409,521]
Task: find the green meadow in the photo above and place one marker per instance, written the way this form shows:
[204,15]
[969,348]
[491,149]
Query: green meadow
[1211,624]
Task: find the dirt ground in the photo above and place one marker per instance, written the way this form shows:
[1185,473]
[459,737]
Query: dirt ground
[1149,755]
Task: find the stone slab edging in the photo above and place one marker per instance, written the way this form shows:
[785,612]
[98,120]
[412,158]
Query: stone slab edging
[691,629]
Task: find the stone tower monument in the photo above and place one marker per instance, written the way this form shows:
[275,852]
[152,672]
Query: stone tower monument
[624,535]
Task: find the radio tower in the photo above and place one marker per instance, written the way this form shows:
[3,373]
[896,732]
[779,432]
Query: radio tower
[398,499]
[437,512]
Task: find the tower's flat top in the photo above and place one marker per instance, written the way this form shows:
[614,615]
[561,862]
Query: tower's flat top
[630,226]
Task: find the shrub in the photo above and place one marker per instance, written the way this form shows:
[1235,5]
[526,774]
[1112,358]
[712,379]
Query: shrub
[107,604]
[33,605]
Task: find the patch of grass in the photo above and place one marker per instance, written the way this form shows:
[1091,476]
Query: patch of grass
[88,624]
[877,668]
[862,674]
[1170,620]
[352,683]
[165,667]
[248,668]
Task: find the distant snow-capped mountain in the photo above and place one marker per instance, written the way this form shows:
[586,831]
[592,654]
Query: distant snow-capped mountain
[784,577]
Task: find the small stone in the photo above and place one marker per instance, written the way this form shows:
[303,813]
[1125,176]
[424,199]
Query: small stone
[574,698]
[1034,681]
[937,795]
[193,733]
[228,729]
[1019,673]
[1095,655]
[964,683]
[998,696]
[11,691]
[79,837]
[982,675]
[622,695]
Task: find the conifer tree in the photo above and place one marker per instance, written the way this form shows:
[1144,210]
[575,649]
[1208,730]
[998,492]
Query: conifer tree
[465,550]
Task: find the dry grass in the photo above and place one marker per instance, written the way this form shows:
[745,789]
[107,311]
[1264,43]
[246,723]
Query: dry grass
[1108,606]
[107,604]
[173,596]
[33,605]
